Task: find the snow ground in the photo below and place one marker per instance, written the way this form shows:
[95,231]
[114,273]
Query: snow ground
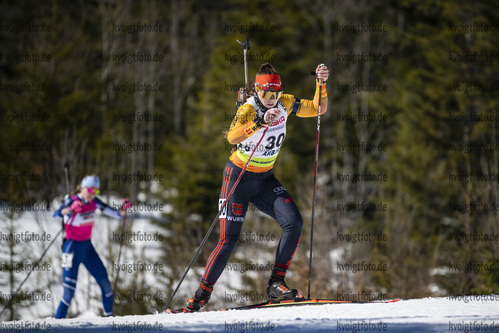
[445,314]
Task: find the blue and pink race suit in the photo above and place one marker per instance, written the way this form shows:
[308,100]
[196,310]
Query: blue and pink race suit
[78,249]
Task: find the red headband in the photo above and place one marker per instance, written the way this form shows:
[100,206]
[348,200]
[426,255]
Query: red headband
[268,82]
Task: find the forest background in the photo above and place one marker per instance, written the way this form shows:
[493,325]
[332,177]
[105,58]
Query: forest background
[140,93]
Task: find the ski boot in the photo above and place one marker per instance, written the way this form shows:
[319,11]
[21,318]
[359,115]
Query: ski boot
[200,299]
[277,290]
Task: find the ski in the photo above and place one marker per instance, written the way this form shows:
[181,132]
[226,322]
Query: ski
[304,301]
[295,302]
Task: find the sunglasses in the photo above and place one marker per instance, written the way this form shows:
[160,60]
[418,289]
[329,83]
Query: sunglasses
[268,94]
[93,190]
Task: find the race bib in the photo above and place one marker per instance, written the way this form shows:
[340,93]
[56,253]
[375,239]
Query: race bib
[67,260]
[223,214]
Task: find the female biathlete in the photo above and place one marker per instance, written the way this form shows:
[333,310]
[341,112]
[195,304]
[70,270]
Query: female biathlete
[258,185]
[78,213]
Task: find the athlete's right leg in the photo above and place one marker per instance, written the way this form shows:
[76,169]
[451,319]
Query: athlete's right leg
[71,261]
[231,222]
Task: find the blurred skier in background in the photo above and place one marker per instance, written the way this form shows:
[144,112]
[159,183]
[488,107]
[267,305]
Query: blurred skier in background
[78,213]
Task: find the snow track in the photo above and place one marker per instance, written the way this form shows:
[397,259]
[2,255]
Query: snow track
[467,314]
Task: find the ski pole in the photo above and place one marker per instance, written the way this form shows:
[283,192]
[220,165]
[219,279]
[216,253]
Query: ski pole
[29,273]
[216,218]
[66,168]
[317,135]
[119,254]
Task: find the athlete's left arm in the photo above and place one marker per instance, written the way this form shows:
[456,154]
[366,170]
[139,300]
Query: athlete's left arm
[106,210]
[67,203]
[305,107]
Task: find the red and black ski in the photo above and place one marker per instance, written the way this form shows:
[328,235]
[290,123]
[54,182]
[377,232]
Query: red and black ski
[294,302]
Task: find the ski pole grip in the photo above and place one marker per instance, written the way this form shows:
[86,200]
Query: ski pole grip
[321,81]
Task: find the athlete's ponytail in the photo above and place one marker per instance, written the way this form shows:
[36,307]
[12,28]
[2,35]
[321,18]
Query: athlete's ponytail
[77,190]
